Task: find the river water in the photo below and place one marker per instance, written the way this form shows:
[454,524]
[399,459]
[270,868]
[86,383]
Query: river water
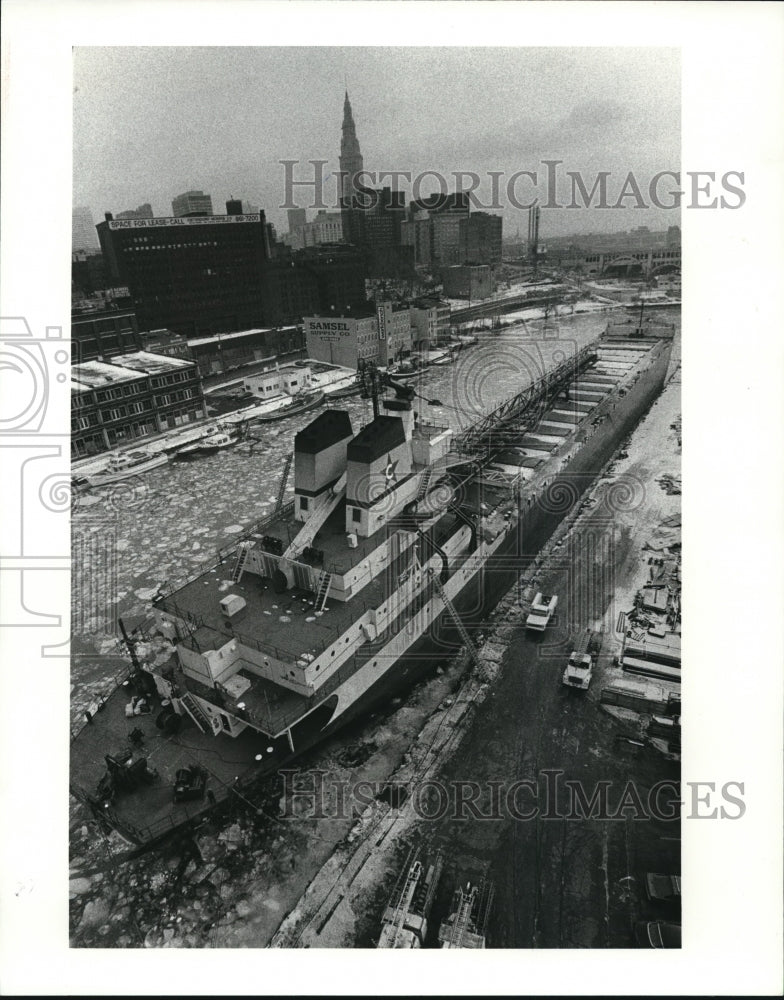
[164,526]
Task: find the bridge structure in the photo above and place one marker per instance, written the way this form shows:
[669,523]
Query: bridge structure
[642,263]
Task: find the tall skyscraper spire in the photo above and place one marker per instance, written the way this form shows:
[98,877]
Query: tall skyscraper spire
[350,155]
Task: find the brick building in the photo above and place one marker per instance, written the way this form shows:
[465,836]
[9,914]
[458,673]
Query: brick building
[130,397]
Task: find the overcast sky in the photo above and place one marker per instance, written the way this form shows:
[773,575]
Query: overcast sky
[150,123]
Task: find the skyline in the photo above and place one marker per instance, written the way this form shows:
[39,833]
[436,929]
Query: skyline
[416,109]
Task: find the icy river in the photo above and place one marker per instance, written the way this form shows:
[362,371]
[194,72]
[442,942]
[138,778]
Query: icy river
[131,538]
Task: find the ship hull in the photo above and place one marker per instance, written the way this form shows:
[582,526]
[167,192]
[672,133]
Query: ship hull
[474,588]
[290,411]
[502,569]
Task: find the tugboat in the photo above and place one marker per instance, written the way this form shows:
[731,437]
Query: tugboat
[207,446]
[401,537]
[302,403]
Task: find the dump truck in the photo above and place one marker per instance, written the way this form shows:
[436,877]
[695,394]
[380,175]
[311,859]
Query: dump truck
[579,666]
[542,610]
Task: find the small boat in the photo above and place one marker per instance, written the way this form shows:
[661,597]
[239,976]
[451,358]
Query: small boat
[440,358]
[410,368]
[652,300]
[297,405]
[123,465]
[206,446]
[350,390]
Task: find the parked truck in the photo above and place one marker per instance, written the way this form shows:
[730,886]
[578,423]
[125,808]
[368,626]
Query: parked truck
[542,610]
[579,666]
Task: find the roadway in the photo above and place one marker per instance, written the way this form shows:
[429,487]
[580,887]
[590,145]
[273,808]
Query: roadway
[560,883]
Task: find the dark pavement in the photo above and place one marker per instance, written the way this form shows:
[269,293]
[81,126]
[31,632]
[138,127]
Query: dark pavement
[560,882]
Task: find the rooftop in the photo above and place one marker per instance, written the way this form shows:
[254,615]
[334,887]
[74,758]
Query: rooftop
[151,364]
[92,374]
[215,338]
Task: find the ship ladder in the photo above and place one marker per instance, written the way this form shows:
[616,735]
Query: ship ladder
[242,557]
[457,621]
[192,707]
[325,580]
[283,482]
[424,483]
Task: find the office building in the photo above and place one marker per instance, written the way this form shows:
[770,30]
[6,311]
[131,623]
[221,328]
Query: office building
[418,234]
[131,396]
[336,275]
[393,322]
[448,235]
[327,227]
[442,203]
[192,275]
[297,218]
[468,281]
[83,232]
[430,322]
[220,274]
[99,331]
[382,335]
[351,164]
[482,234]
[142,212]
[89,273]
[192,203]
[341,340]
[224,352]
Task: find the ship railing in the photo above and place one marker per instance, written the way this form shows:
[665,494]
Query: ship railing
[225,552]
[192,621]
[103,696]
[427,429]
[168,823]
[275,720]
[270,649]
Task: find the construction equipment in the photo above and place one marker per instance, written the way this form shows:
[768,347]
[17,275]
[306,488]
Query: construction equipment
[466,924]
[404,924]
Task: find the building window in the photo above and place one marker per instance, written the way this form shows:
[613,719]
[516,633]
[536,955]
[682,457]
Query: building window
[303,503]
[356,515]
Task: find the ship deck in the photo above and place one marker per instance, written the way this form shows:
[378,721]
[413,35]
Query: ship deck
[284,625]
[288,626]
[331,539]
[150,810]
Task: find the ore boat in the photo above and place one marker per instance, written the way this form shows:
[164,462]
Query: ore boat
[401,537]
